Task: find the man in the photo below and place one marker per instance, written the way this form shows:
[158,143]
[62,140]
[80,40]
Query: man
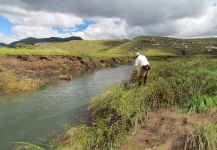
[142,62]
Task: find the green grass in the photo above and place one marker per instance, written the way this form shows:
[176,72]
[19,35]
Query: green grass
[11,83]
[17,51]
[93,48]
[202,138]
[180,81]
[26,145]
[147,45]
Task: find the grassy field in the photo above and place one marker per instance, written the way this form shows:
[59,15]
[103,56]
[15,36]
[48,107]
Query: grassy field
[147,45]
[187,83]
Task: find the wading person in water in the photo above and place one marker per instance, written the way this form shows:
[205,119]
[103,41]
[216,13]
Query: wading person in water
[142,62]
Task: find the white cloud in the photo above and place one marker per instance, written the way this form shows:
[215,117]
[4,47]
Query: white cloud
[110,28]
[202,26]
[7,39]
[39,18]
[37,32]
[107,28]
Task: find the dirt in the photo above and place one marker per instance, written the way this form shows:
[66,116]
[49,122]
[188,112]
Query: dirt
[166,130]
[37,65]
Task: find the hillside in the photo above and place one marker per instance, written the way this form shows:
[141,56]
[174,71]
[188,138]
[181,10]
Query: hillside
[3,44]
[33,41]
[148,45]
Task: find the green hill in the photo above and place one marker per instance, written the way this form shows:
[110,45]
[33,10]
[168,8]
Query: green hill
[147,45]
[32,41]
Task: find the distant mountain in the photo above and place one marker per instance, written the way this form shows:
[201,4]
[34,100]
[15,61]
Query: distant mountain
[3,44]
[33,41]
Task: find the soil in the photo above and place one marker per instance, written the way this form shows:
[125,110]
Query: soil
[166,130]
[38,65]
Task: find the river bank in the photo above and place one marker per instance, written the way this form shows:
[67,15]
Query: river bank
[38,65]
[30,72]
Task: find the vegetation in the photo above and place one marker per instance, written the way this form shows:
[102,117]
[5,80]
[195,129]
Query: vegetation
[148,45]
[21,45]
[31,41]
[11,83]
[187,83]
[202,138]
[64,66]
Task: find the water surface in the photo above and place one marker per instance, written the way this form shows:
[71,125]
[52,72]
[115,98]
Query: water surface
[24,117]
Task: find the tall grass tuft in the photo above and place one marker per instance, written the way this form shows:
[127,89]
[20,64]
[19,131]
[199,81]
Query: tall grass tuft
[26,145]
[203,137]
[11,83]
[200,104]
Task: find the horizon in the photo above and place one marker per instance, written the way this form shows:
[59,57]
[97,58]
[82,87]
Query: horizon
[110,39]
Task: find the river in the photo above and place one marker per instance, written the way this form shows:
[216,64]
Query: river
[28,116]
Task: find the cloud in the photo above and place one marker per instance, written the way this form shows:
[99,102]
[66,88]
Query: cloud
[112,19]
[203,26]
[109,28]
[135,12]
[17,15]
[38,32]
[7,39]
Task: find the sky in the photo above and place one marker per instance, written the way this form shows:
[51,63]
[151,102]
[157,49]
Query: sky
[107,19]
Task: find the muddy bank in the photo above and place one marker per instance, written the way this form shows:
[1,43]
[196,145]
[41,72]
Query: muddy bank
[37,65]
[167,129]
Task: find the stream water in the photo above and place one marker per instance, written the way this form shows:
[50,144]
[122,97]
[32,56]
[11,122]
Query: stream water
[28,116]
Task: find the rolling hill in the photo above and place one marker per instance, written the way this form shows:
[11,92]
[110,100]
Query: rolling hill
[147,45]
[32,40]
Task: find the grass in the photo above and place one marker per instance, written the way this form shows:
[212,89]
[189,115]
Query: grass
[148,45]
[182,81]
[202,138]
[17,51]
[26,145]
[11,83]
[186,83]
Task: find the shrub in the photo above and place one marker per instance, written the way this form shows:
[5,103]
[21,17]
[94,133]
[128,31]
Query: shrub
[64,66]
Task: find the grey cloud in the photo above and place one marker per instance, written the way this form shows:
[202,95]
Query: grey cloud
[136,12]
[149,17]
